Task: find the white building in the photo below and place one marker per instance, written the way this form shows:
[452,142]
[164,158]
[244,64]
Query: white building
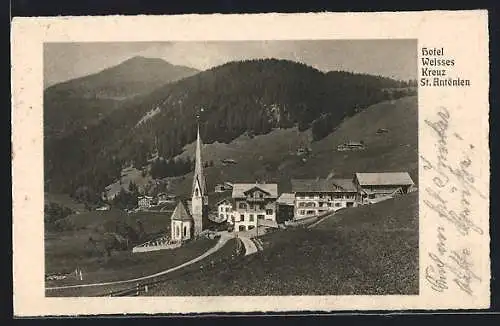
[144,201]
[225,211]
[318,196]
[253,202]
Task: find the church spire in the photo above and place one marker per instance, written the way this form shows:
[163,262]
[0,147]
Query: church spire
[198,176]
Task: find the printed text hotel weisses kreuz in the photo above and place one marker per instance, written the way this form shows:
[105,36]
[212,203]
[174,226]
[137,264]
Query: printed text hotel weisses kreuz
[437,69]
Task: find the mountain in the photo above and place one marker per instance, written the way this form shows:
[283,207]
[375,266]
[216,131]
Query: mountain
[78,102]
[251,97]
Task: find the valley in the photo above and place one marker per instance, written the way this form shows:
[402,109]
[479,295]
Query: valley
[106,162]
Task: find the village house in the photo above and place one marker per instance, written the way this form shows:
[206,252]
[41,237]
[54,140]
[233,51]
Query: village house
[375,187]
[226,186]
[286,207]
[225,210]
[164,198]
[144,201]
[253,202]
[318,196]
[351,146]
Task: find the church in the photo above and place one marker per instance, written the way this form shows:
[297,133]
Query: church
[188,223]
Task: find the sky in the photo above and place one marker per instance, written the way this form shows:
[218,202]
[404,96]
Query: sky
[390,58]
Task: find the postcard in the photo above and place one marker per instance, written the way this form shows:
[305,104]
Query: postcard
[250,163]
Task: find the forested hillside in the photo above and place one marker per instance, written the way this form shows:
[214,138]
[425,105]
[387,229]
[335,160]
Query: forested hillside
[250,97]
[83,101]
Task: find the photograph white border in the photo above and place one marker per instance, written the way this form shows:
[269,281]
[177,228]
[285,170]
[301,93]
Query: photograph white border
[463,35]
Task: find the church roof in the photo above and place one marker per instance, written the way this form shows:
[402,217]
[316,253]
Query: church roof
[180,213]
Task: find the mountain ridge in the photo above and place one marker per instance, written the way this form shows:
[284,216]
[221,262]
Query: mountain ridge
[85,100]
[252,96]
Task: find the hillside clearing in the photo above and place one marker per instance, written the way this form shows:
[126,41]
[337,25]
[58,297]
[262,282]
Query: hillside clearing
[272,157]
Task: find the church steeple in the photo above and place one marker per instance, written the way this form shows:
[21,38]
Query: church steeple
[199,177]
[199,198]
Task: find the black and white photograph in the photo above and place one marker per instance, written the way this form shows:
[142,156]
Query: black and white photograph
[231,168]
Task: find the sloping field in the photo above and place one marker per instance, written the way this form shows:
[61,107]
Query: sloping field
[65,250]
[126,265]
[393,150]
[370,250]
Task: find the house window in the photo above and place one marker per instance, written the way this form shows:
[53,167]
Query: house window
[227,209]
[269,212]
[337,204]
[196,192]
[320,204]
[301,204]
[177,231]
[261,195]
[221,215]
[242,217]
[261,206]
[301,212]
[185,230]
[260,216]
[310,212]
[250,227]
[242,206]
[251,217]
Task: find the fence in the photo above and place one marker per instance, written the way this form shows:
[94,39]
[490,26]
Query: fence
[158,244]
[207,265]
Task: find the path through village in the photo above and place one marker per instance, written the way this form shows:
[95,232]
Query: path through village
[250,248]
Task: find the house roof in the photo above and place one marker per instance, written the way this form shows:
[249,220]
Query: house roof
[180,213]
[323,185]
[344,185]
[384,178]
[239,189]
[286,199]
[227,199]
